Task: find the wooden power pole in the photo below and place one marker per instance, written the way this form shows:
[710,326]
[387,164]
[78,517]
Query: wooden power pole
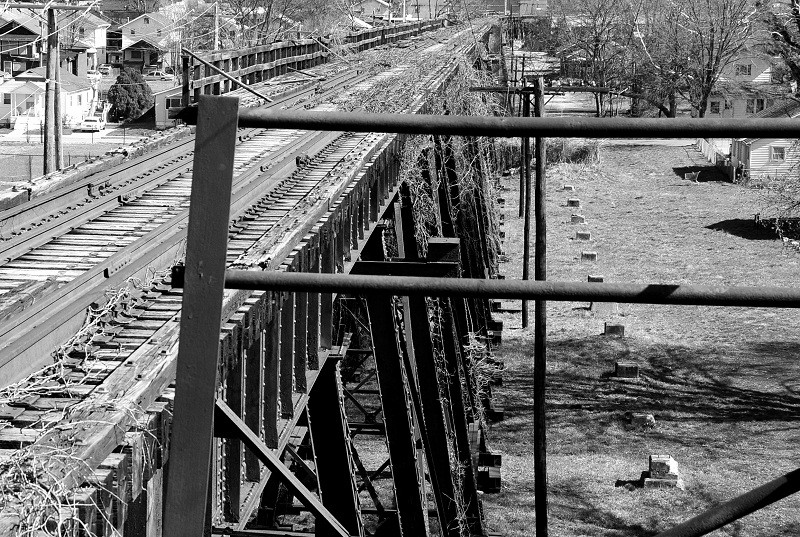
[53,158]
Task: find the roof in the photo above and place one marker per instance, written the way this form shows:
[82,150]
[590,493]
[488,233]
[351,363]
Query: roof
[157,17]
[146,40]
[25,18]
[785,109]
[69,82]
[14,86]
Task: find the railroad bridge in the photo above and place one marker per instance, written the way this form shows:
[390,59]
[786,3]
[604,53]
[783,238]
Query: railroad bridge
[358,429]
[279,322]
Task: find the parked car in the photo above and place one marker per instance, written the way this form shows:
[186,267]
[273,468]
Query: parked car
[92,124]
[158,75]
[93,74]
[104,69]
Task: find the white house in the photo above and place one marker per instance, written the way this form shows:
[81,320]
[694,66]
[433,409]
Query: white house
[747,86]
[84,31]
[147,41]
[23,99]
[768,157]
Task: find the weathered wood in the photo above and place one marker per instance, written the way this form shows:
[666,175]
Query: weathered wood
[190,451]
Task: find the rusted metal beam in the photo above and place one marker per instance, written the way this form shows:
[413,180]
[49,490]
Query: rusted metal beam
[273,462]
[631,293]
[521,127]
[738,507]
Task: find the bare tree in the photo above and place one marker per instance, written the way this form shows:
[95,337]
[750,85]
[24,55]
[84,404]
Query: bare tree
[783,24]
[691,42]
[598,35]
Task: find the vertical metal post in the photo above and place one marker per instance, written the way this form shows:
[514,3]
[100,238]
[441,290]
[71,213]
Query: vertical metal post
[540,331]
[526,240]
[195,393]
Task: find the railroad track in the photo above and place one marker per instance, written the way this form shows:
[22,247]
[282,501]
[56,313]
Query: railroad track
[134,229]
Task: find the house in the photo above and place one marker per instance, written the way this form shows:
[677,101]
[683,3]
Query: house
[747,86]
[83,39]
[767,157]
[23,98]
[149,40]
[20,39]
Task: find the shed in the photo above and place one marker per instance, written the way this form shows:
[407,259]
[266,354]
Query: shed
[768,157]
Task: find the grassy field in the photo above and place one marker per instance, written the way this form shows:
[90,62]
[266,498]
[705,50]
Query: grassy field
[723,384]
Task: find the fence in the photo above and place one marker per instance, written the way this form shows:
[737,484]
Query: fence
[256,64]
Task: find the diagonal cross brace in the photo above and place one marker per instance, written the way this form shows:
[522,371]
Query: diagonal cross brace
[274,464]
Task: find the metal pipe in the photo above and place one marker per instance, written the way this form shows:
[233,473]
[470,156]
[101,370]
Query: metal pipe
[738,507]
[564,127]
[226,75]
[697,295]
[539,323]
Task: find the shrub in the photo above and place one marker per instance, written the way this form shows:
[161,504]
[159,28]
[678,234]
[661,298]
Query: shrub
[130,95]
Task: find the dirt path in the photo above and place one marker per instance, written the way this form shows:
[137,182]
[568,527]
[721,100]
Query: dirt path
[723,384]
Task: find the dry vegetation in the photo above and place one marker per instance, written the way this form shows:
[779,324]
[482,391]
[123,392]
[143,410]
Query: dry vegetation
[723,384]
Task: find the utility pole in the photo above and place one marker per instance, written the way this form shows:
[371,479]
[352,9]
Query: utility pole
[51,94]
[53,159]
[216,26]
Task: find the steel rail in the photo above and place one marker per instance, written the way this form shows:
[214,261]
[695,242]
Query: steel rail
[686,295]
[522,127]
[738,507]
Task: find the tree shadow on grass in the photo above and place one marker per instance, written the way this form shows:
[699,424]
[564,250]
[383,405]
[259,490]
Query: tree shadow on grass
[705,174]
[744,228]
[571,504]
[695,383]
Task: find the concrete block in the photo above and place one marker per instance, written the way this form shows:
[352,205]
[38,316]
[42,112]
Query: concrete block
[569,188]
[578,219]
[663,467]
[583,235]
[573,202]
[611,329]
[589,256]
[626,370]
[654,483]
[605,308]
[595,278]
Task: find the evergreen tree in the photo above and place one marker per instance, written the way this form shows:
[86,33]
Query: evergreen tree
[130,95]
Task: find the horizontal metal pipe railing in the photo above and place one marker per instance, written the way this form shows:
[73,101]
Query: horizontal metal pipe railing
[698,295]
[584,127]
[734,509]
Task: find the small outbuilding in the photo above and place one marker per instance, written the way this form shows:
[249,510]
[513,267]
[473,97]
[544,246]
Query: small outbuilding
[767,157]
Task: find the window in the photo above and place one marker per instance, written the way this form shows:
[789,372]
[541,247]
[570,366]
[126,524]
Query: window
[715,107]
[6,98]
[79,100]
[136,54]
[777,153]
[158,32]
[743,69]
[147,20]
[133,31]
[756,105]
[82,32]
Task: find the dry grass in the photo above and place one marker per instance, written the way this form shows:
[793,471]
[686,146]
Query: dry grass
[723,384]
